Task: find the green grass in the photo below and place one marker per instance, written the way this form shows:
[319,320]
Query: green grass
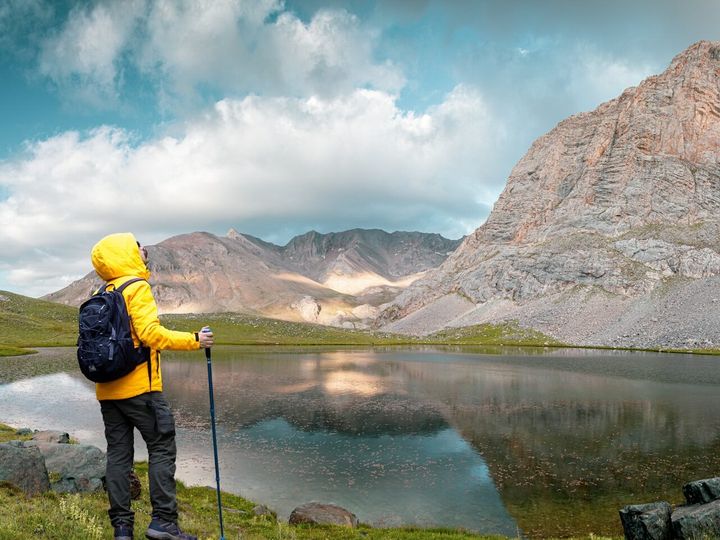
[14,351]
[240,329]
[8,433]
[508,333]
[28,322]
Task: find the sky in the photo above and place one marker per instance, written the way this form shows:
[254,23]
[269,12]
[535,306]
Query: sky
[276,118]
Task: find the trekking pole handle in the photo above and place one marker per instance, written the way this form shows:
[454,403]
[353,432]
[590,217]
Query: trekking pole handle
[206,329]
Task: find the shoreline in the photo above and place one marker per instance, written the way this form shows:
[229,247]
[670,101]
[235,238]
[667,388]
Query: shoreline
[45,351]
[198,514]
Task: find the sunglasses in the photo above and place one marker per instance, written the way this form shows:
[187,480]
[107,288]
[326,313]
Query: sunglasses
[143,250]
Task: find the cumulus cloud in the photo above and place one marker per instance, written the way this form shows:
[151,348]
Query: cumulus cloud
[230,47]
[84,57]
[252,162]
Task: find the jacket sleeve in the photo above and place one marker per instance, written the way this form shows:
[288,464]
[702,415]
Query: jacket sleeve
[143,313]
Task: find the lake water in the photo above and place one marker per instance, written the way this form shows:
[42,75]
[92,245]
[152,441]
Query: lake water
[541,442]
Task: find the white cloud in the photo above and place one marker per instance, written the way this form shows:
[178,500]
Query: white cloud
[231,47]
[311,161]
[332,54]
[84,57]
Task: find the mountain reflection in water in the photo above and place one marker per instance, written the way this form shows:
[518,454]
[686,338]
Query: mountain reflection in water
[339,427]
[551,443]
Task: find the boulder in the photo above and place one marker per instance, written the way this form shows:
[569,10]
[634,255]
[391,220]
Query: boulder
[59,437]
[323,514]
[262,510]
[23,468]
[23,432]
[74,467]
[647,521]
[697,521]
[702,491]
[308,308]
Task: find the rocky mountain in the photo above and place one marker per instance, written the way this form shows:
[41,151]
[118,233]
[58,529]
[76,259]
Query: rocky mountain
[608,221]
[337,278]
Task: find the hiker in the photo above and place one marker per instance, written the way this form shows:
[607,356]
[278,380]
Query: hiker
[136,399]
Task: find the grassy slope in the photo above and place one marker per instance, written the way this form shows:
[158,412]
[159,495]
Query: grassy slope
[28,322]
[236,329]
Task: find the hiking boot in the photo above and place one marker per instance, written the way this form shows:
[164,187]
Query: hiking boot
[123,532]
[163,530]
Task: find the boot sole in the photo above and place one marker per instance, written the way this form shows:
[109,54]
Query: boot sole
[157,535]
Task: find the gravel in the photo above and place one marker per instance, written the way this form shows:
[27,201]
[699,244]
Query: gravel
[678,314]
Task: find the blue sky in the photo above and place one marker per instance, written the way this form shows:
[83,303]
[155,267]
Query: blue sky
[166,117]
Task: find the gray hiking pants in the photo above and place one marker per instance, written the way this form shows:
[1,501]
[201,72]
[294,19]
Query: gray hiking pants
[150,414]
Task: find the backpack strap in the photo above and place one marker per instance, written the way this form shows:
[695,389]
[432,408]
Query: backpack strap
[149,365]
[121,288]
[146,352]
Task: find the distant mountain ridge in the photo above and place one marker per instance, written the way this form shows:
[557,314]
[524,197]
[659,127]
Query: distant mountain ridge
[335,278]
[608,217]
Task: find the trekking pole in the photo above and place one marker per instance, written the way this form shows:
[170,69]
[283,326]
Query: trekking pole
[208,357]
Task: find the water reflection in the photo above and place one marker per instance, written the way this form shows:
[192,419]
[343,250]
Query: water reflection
[552,442]
[386,479]
[563,429]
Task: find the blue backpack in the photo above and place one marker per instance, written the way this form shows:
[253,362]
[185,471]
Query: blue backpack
[105,347]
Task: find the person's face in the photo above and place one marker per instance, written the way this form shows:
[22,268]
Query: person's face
[143,253]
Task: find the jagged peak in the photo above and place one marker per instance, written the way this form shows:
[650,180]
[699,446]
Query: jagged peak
[701,49]
[233,234]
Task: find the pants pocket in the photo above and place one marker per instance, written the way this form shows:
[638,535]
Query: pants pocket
[164,420]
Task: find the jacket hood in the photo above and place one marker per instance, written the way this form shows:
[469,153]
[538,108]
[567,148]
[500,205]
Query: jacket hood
[118,255]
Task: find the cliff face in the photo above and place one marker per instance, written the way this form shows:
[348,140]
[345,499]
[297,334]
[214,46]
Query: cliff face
[332,278]
[618,199]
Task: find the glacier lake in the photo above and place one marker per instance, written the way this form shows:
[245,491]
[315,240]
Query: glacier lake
[540,442]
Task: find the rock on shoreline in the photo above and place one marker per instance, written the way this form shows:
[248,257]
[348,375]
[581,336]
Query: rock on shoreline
[699,518]
[48,461]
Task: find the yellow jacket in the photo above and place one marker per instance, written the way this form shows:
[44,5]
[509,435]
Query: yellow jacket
[117,259]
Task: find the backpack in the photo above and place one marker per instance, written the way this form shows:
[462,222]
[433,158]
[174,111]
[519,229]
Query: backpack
[105,347]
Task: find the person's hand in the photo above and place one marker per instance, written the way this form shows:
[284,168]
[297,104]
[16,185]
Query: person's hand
[206,339]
